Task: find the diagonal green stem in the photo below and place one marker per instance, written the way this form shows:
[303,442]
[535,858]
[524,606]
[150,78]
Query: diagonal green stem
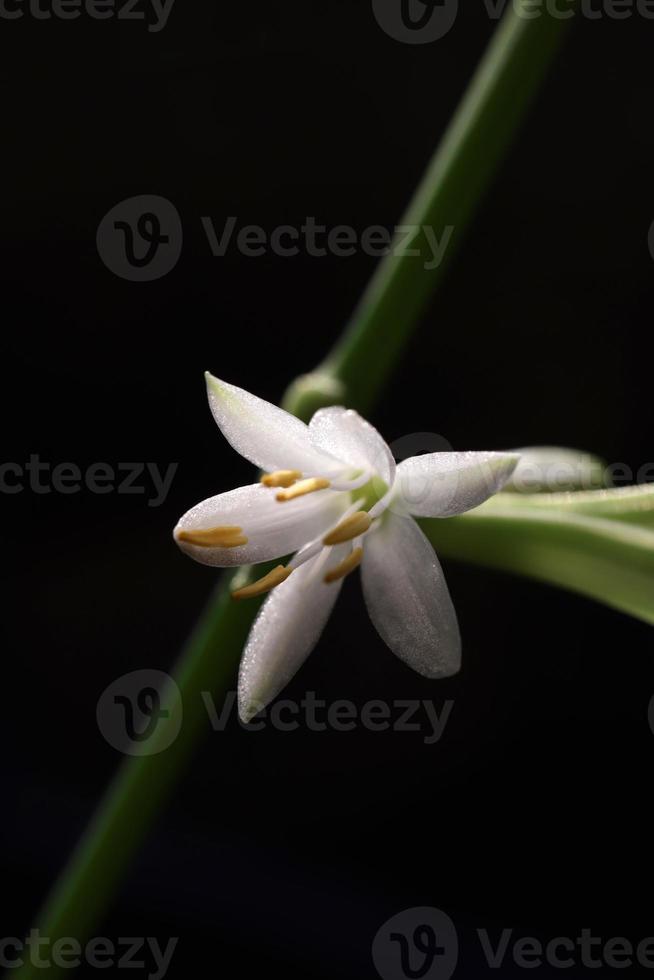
[473,146]
[142,783]
[478,137]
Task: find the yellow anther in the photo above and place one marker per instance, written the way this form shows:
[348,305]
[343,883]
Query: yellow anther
[265,584]
[280,478]
[303,486]
[346,566]
[229,536]
[351,527]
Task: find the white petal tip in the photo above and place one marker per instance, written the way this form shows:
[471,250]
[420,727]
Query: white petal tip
[442,673]
[247,710]
[213,383]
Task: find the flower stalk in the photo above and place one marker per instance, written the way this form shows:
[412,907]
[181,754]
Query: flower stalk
[474,144]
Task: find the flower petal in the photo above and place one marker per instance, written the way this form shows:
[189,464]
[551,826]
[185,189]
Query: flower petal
[408,599]
[285,632]
[265,434]
[444,484]
[343,433]
[272,529]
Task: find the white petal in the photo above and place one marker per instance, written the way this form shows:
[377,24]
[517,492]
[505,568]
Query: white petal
[273,529]
[343,433]
[554,468]
[444,484]
[285,632]
[265,434]
[408,599]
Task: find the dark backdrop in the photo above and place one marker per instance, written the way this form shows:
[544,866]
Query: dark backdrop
[289,850]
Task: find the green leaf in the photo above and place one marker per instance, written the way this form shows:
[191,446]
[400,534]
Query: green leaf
[634,504]
[556,541]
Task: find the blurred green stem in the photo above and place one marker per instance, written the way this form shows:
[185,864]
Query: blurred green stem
[473,146]
[475,142]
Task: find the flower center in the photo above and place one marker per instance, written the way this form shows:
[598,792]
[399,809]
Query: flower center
[372,498]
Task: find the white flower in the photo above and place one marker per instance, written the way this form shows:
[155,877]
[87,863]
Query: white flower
[333,495]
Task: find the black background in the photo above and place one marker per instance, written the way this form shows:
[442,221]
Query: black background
[289,850]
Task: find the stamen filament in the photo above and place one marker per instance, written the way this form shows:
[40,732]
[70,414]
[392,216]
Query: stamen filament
[264,584]
[351,527]
[228,536]
[381,504]
[280,478]
[305,554]
[316,571]
[344,567]
[303,486]
[355,484]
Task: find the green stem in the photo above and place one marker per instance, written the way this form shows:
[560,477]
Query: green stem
[142,783]
[474,144]
[460,171]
